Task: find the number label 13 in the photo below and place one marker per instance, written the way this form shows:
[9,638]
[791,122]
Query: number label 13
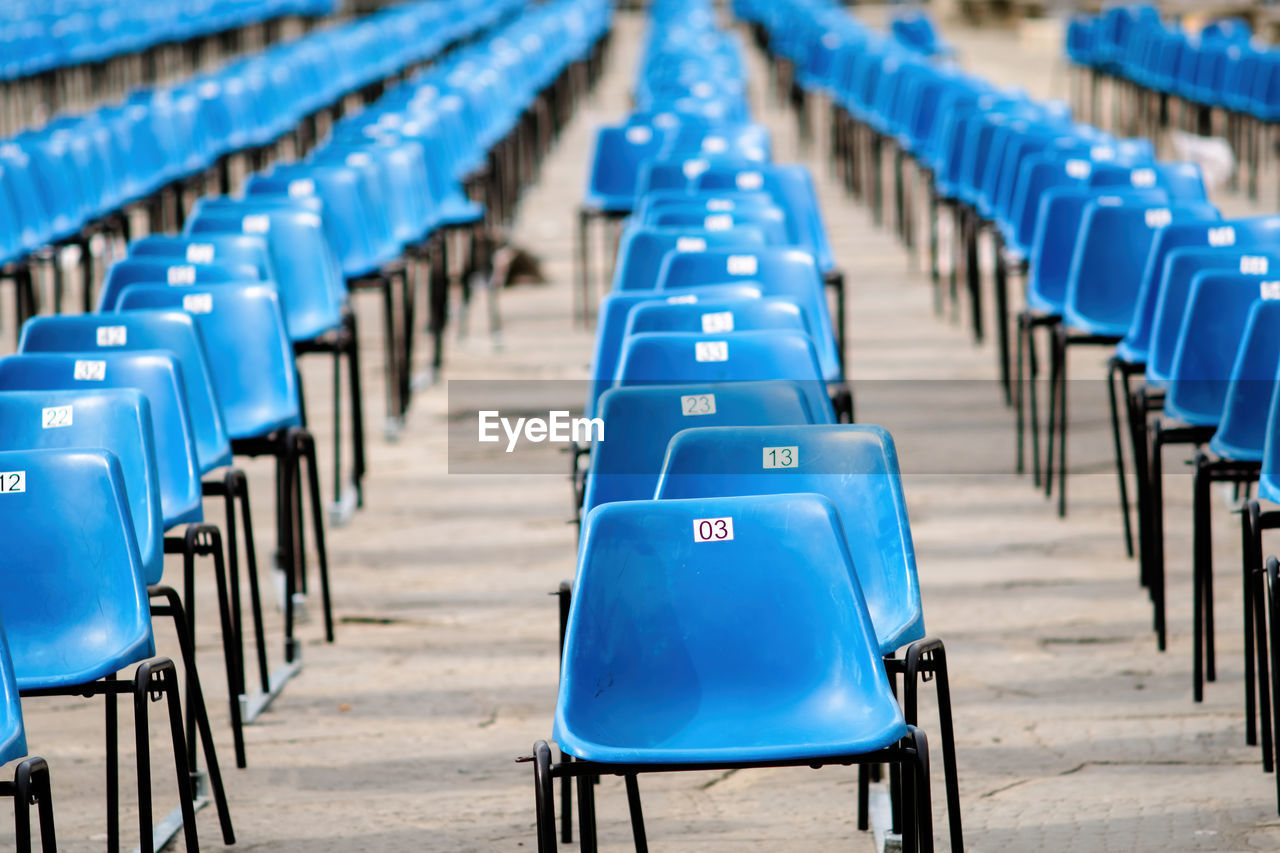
[781,457]
[712,529]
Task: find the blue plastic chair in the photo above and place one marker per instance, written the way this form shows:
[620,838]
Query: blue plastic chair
[653,358]
[87,617]
[642,249]
[261,403]
[639,421]
[804,685]
[780,272]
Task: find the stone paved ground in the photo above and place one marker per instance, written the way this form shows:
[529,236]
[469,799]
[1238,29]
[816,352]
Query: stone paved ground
[1073,732]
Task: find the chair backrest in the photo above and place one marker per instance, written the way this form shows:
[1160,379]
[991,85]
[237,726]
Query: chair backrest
[771,221]
[158,270]
[1110,255]
[1057,234]
[260,394]
[75,607]
[654,358]
[115,419]
[1242,432]
[174,331]
[1181,267]
[639,421]
[312,289]
[1212,329]
[855,467]
[751,314]
[780,272]
[615,312]
[155,373]
[615,164]
[217,249]
[642,249]
[766,576]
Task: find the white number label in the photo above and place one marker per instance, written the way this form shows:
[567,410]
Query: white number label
[718,321]
[358,160]
[682,300]
[302,188]
[197,303]
[639,134]
[113,336]
[55,416]
[182,275]
[698,404]
[1270,290]
[749,180]
[742,265]
[715,145]
[1143,178]
[711,350]
[1254,265]
[1223,235]
[1102,153]
[693,168]
[200,253]
[90,370]
[712,529]
[690,244]
[720,204]
[13,481]
[1078,169]
[256,223]
[781,457]
[718,222]
[1158,217]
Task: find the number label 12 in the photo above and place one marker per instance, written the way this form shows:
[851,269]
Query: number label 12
[12,481]
[712,529]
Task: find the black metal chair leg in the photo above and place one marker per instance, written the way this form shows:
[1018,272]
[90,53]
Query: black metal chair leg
[1200,543]
[544,797]
[1062,343]
[307,450]
[1155,526]
[586,814]
[637,815]
[1114,367]
[113,770]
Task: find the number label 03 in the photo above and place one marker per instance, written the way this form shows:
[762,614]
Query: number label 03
[712,529]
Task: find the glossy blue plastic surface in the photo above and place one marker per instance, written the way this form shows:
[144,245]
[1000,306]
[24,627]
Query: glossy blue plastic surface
[752,314]
[155,373]
[1212,329]
[75,608]
[115,419]
[615,165]
[615,311]
[174,331]
[642,249]
[156,270]
[309,278]
[640,420]
[1109,259]
[13,738]
[258,395]
[1257,232]
[1180,268]
[1242,431]
[754,648]
[652,358]
[781,272]
[853,466]
[240,250]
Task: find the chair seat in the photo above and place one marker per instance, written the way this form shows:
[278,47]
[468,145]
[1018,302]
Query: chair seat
[1227,450]
[1130,354]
